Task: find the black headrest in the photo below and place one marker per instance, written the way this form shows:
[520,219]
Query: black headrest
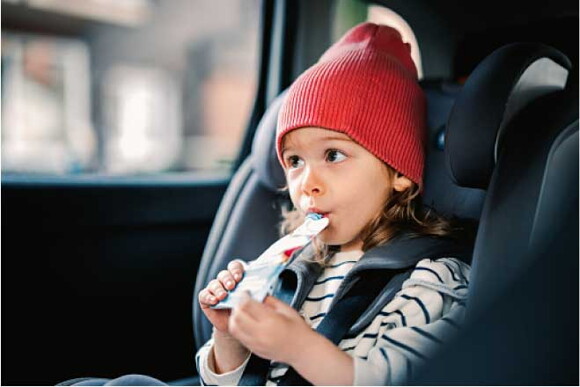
[264,155]
[500,86]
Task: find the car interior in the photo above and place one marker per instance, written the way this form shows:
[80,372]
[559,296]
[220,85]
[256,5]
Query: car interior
[101,271]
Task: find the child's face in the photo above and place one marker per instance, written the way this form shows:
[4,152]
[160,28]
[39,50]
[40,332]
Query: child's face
[329,173]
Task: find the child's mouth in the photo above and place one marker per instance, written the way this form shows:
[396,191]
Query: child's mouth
[317,211]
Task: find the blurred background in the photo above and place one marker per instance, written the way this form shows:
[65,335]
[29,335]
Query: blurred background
[143,87]
[126,87]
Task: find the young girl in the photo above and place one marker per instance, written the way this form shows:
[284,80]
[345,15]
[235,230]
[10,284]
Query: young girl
[350,138]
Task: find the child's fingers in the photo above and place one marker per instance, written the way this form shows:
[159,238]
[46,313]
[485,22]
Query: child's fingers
[206,299]
[216,288]
[227,279]
[237,269]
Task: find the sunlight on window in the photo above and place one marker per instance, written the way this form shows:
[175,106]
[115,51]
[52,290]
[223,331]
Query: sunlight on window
[46,123]
[146,87]
[143,118]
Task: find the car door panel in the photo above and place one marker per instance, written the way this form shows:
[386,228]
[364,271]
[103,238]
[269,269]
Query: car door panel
[98,275]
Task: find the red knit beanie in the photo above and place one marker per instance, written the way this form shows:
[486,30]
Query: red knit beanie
[364,86]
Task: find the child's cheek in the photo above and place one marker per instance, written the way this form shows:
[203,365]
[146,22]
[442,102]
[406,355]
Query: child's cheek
[294,197]
[294,192]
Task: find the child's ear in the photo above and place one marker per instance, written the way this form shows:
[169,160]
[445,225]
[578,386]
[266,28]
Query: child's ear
[401,182]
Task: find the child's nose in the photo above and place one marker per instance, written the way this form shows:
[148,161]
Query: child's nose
[312,183]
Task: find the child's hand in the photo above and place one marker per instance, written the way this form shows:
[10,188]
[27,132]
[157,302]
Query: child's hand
[216,291]
[272,330]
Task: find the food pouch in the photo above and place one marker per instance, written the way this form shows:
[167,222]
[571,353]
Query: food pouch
[261,275]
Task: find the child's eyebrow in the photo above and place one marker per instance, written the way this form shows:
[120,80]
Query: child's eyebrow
[285,149]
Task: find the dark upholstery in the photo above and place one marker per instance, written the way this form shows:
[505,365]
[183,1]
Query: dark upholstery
[532,195]
[440,192]
[484,126]
[266,161]
[522,311]
[247,220]
[498,88]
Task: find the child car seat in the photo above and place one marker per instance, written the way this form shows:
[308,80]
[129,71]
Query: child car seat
[440,191]
[247,220]
[514,132]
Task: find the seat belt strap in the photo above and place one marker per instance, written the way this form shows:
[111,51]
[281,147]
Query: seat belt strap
[350,307]
[337,322]
[370,284]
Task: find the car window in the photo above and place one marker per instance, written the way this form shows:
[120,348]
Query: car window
[138,87]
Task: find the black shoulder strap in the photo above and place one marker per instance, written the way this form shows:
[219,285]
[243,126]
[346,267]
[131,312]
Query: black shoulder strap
[343,315]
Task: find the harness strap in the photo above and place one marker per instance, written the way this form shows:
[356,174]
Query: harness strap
[337,322]
[403,253]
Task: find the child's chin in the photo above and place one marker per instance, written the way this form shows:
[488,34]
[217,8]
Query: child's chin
[330,240]
[344,243]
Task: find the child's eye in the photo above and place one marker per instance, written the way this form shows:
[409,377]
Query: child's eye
[294,162]
[335,156]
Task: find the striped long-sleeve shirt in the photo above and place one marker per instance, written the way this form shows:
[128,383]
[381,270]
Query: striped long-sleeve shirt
[423,314]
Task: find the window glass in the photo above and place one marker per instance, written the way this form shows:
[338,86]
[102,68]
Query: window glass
[349,13]
[127,87]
